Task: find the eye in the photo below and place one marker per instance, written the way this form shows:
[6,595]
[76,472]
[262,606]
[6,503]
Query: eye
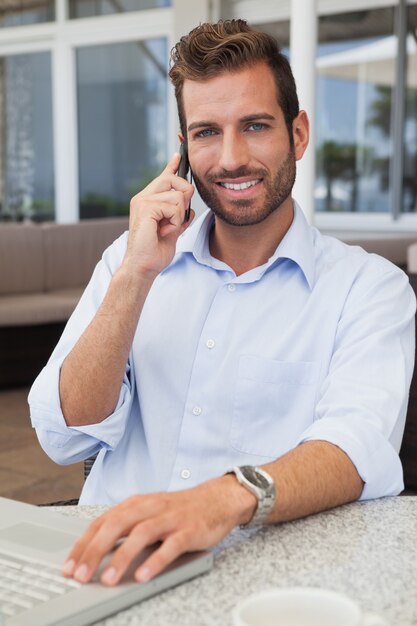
[256,126]
[206,132]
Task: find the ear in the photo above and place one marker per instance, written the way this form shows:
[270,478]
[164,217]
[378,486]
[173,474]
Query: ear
[180,137]
[300,133]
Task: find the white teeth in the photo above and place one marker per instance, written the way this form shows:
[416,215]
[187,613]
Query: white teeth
[239,186]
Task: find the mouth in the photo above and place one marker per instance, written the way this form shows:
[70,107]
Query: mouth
[239,189]
[239,186]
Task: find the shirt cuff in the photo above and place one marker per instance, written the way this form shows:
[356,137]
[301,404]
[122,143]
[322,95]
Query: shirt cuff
[375,459]
[69,444]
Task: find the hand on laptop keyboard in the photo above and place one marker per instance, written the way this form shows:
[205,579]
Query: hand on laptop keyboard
[183,521]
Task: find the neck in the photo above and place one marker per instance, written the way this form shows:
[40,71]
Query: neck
[245,247]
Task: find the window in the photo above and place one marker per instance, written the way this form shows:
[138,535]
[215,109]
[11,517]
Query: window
[90,8]
[122,122]
[26,152]
[21,12]
[409,199]
[86,118]
[355,78]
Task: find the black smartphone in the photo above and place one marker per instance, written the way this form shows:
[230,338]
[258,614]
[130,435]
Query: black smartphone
[183,170]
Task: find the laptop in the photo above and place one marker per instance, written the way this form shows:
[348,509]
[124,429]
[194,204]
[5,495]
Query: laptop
[34,543]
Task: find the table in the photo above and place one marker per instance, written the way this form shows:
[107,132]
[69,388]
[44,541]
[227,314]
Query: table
[367,550]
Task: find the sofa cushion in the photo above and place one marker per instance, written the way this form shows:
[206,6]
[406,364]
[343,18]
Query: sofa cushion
[412,259]
[21,259]
[393,248]
[73,250]
[38,308]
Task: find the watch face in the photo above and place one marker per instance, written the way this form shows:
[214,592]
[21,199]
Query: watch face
[254,477]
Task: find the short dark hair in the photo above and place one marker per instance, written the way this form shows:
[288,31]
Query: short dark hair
[231,45]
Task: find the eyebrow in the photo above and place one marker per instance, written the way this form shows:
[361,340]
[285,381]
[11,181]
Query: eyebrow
[247,118]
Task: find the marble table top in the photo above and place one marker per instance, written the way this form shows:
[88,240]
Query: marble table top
[367,550]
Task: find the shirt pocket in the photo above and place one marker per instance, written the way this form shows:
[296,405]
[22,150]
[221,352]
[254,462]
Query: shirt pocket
[273,404]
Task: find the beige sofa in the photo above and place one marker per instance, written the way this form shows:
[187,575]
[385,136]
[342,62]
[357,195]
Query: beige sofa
[412,258]
[45,267]
[394,247]
[43,271]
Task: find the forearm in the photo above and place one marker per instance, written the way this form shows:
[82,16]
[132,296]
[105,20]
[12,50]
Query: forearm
[313,477]
[92,373]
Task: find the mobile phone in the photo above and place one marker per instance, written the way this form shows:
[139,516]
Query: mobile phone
[183,170]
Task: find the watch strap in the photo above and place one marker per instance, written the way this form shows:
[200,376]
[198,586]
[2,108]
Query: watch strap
[250,477]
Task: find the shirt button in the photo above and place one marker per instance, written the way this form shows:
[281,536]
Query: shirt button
[231,287]
[197,410]
[210,343]
[185,474]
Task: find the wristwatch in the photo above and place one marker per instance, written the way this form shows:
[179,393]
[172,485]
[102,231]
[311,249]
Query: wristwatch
[260,483]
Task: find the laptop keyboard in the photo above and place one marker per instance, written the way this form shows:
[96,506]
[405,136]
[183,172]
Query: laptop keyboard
[25,584]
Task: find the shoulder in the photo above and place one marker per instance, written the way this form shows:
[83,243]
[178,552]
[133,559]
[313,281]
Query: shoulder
[113,255]
[333,255]
[357,278]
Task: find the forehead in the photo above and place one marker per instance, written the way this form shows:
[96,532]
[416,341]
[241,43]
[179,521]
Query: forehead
[231,94]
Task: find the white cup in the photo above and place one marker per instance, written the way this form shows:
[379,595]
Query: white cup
[302,606]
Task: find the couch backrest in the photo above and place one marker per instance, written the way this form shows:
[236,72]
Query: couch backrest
[412,259]
[393,248]
[73,250]
[21,259]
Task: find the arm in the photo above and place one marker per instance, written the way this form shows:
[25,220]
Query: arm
[92,373]
[313,477]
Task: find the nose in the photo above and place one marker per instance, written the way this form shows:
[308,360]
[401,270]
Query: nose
[234,151]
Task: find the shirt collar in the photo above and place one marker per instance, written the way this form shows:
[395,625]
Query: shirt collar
[196,238]
[297,245]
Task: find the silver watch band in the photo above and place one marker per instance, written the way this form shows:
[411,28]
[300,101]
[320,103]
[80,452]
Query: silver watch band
[261,484]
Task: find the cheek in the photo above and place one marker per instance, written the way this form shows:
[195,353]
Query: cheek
[203,159]
[269,152]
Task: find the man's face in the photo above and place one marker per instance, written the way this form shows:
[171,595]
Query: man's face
[242,160]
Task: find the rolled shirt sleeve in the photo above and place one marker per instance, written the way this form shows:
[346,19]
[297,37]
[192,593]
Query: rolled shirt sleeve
[362,403]
[65,444]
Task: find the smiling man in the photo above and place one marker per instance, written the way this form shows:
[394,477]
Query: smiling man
[242,370]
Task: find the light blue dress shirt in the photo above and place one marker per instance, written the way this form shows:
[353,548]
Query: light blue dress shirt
[224,370]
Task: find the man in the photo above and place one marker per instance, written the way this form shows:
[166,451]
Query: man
[246,340]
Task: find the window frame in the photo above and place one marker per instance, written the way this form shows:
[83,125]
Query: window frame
[395,221]
[62,38]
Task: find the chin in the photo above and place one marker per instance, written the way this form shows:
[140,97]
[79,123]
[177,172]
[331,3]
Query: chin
[236,218]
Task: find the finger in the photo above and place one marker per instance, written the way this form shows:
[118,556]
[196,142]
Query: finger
[167,178]
[159,213]
[169,181]
[170,217]
[174,545]
[188,193]
[173,163]
[144,534]
[79,547]
[174,197]
[100,538]
[187,222]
